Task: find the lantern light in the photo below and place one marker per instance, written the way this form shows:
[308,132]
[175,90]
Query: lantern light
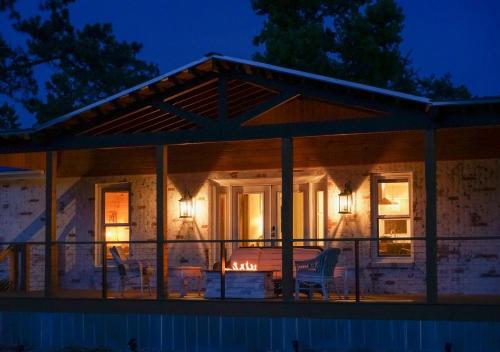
[345,200]
[186,206]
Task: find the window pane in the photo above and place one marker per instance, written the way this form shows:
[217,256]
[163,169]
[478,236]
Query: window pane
[320,216]
[117,233]
[222,216]
[393,197]
[251,216]
[298,216]
[391,229]
[116,205]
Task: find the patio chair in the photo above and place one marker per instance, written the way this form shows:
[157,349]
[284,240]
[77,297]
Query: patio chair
[129,268]
[317,271]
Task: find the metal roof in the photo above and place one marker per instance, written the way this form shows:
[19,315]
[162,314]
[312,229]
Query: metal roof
[41,126]
[324,79]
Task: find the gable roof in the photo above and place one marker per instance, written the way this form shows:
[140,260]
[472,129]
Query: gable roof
[174,101]
[228,59]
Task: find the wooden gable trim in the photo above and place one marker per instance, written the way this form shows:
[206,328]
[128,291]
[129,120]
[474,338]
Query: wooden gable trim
[302,109]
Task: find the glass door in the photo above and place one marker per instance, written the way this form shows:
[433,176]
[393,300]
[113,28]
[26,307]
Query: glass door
[251,214]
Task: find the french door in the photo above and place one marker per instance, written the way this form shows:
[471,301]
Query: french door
[256,214]
[251,214]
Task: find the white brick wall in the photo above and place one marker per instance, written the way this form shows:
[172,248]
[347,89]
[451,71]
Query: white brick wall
[468,204]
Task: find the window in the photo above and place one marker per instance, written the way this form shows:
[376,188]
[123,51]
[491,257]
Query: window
[297,216]
[320,216]
[115,218]
[392,209]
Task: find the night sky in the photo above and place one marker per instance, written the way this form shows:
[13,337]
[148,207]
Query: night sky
[458,36]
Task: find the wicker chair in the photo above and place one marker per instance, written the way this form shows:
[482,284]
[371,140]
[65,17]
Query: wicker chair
[317,271]
[127,268]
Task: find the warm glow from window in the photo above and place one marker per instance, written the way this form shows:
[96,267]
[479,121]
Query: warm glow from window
[251,206]
[393,197]
[116,220]
[320,216]
[116,206]
[117,234]
[222,215]
[298,216]
[393,206]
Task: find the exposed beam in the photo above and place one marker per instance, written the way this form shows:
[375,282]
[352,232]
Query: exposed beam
[229,133]
[222,101]
[468,120]
[327,95]
[187,115]
[268,105]
[169,93]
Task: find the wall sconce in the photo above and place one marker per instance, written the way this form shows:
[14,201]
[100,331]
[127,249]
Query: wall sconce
[345,200]
[186,209]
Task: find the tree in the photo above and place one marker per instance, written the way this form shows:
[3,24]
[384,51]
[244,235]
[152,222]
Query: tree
[355,40]
[86,64]
[442,88]
[8,118]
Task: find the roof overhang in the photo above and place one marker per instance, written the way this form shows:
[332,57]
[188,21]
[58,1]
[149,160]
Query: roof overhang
[213,98]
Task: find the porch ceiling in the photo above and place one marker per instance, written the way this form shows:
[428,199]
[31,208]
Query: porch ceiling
[185,110]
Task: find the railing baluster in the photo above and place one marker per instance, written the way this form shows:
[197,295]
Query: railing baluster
[356,268]
[222,270]
[104,271]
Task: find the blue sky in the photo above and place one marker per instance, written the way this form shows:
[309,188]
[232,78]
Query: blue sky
[458,36]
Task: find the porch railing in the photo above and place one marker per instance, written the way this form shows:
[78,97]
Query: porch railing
[468,269]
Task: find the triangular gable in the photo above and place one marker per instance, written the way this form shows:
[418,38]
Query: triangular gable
[304,109]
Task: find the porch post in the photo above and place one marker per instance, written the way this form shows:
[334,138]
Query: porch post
[287,217]
[51,268]
[430,215]
[161,222]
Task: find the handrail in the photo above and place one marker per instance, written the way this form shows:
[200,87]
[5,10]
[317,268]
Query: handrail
[343,239]
[262,244]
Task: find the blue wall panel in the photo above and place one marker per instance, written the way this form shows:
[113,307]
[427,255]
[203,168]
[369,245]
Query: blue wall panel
[161,332]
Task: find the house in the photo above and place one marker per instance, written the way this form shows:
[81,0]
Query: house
[181,172]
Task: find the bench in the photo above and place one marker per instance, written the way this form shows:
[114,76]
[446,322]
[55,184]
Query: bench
[269,259]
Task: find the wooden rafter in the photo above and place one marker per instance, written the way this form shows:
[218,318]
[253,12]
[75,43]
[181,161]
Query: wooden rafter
[263,107]
[187,115]
[344,98]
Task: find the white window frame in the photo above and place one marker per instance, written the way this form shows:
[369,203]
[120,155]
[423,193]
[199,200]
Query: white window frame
[309,184]
[374,179]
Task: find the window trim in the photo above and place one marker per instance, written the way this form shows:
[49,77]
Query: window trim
[374,179]
[312,183]
[100,226]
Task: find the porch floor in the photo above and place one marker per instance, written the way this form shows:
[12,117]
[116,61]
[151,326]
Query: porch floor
[368,298]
